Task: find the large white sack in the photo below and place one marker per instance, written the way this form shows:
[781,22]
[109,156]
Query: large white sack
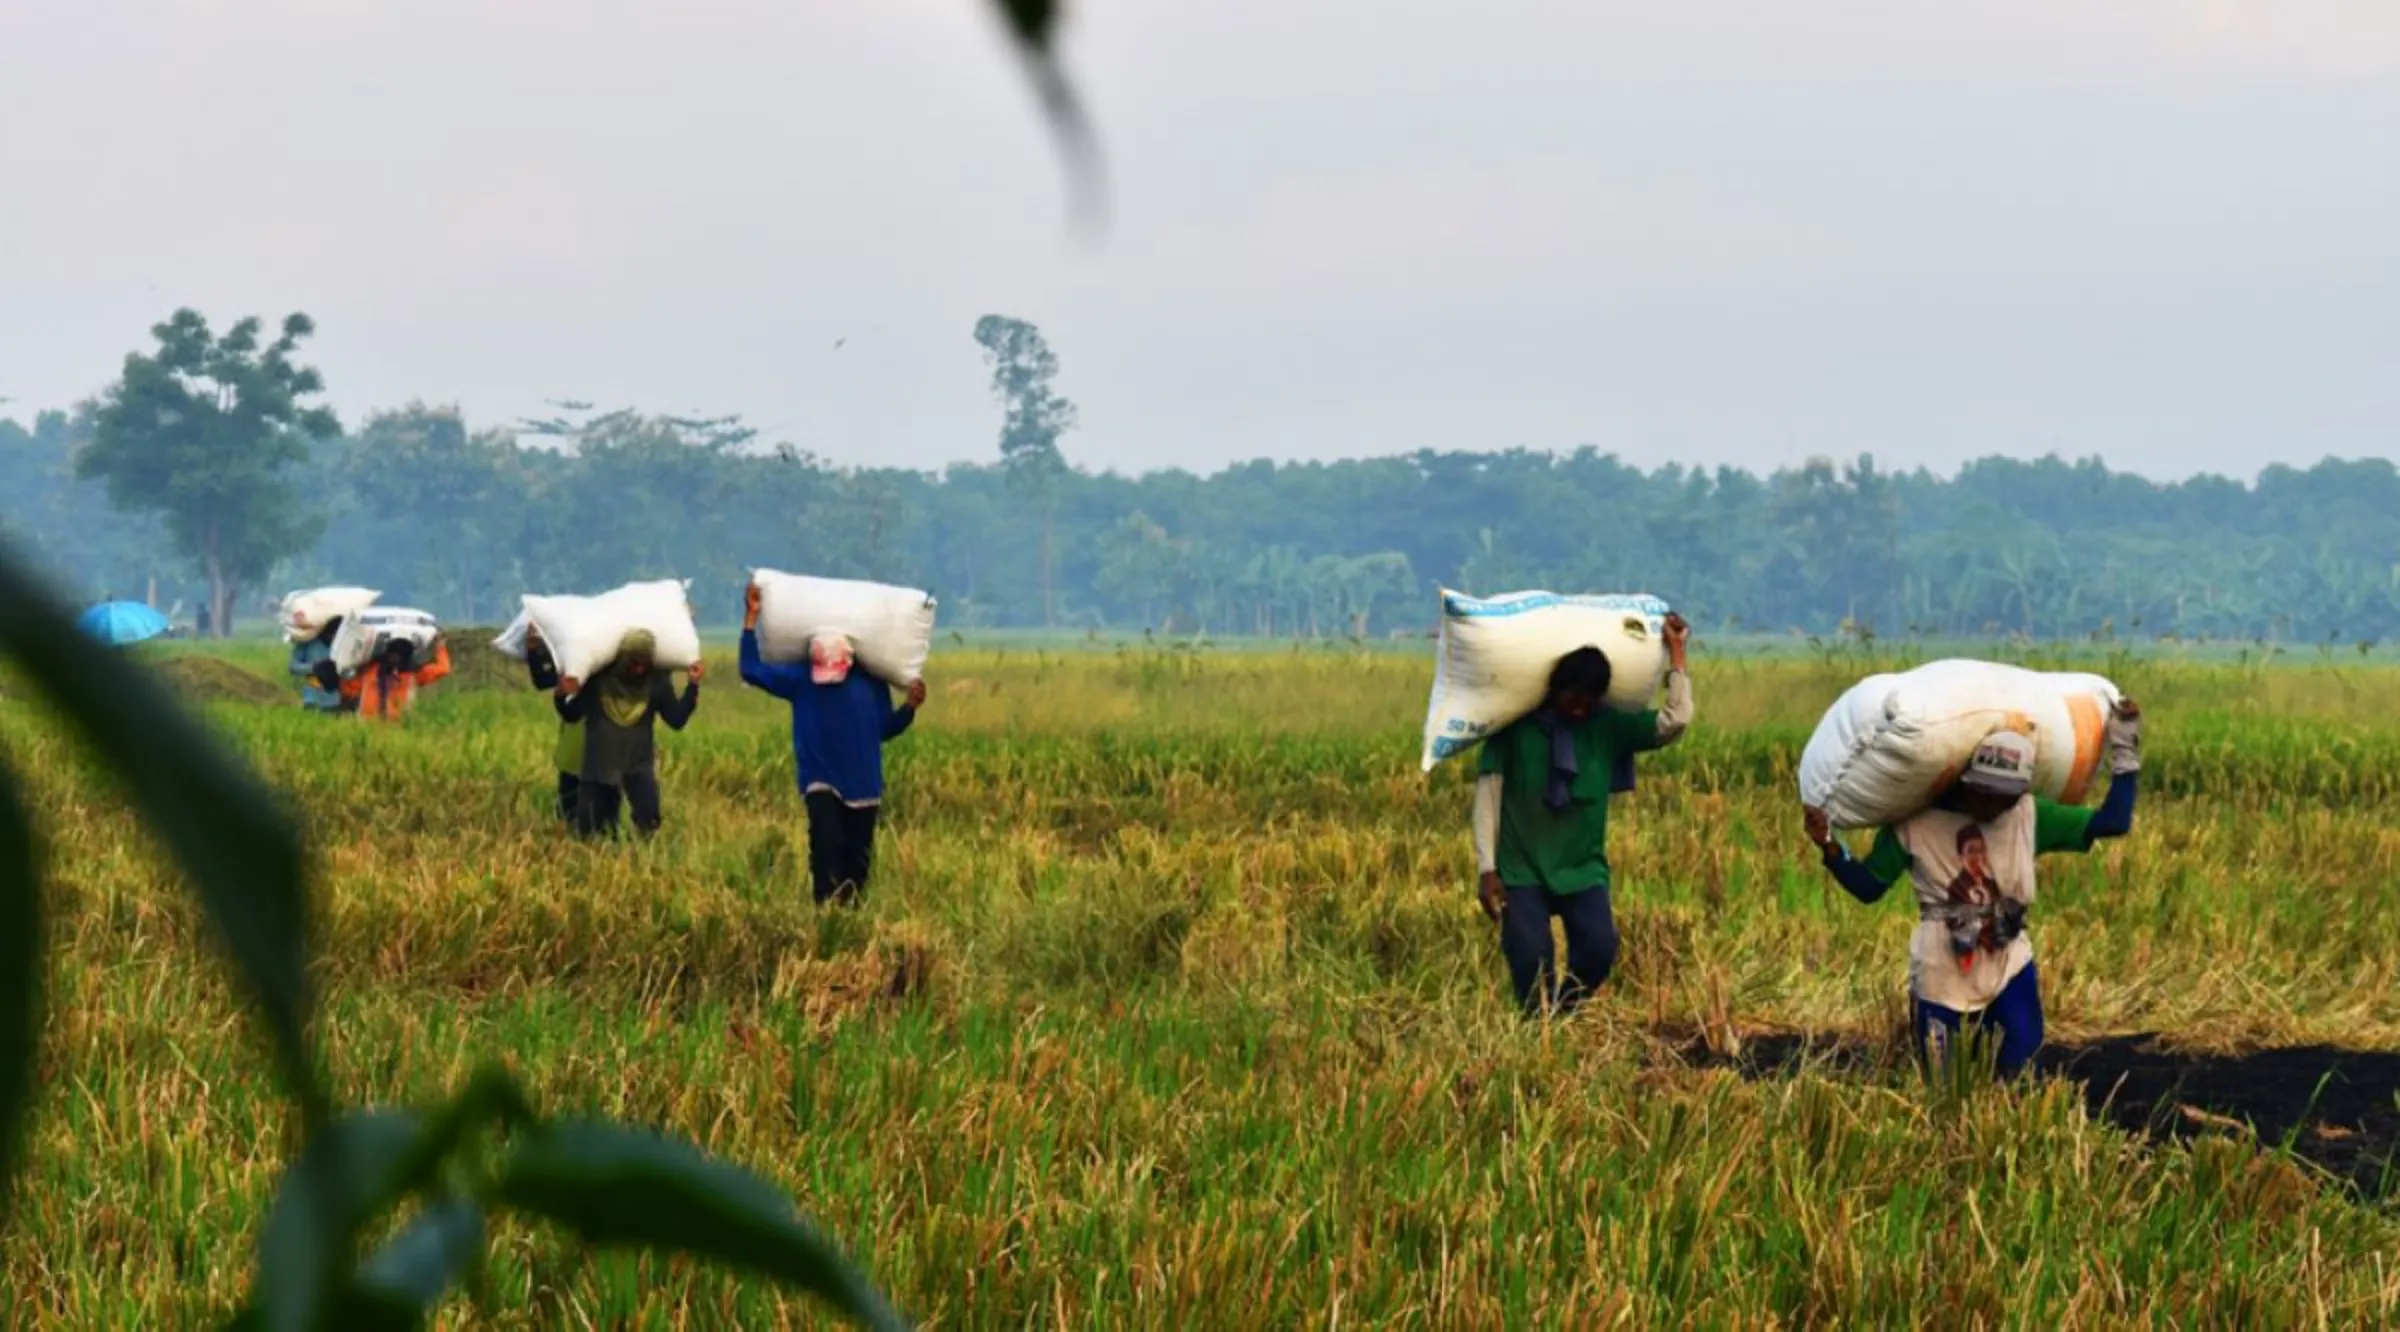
[365,632]
[1496,655]
[583,632]
[304,614]
[1892,742]
[890,628]
[511,642]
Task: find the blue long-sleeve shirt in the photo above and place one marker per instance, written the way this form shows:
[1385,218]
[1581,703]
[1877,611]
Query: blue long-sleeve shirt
[838,731]
[305,656]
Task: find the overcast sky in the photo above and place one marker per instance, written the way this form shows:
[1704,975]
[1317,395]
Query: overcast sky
[2164,231]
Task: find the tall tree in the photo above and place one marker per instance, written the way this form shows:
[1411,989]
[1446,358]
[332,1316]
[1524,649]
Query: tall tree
[201,431]
[1022,367]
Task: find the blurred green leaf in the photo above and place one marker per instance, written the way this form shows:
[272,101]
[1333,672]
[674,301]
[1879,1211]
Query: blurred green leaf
[222,824]
[20,975]
[350,1172]
[420,1264]
[356,1309]
[1034,25]
[618,1186]
[492,1095]
[1033,22]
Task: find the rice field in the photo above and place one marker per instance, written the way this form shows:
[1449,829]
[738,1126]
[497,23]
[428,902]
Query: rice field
[1170,1007]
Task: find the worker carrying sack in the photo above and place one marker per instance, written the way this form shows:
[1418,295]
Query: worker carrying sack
[1893,743]
[305,614]
[584,632]
[890,628]
[366,633]
[1493,666]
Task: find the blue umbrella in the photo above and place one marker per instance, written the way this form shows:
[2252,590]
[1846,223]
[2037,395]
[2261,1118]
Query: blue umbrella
[122,622]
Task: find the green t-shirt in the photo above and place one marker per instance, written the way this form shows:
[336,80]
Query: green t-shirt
[1564,852]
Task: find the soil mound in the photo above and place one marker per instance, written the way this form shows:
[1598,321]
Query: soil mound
[200,679]
[476,664]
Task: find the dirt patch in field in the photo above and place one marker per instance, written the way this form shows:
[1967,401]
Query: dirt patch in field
[476,664]
[2336,1108]
[201,679]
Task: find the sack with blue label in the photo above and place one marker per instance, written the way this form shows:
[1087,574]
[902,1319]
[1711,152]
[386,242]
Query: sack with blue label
[1493,665]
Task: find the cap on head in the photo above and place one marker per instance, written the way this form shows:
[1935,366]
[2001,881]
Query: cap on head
[829,657]
[637,645]
[2002,765]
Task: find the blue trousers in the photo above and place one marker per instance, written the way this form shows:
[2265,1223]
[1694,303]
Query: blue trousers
[1591,930]
[2015,1018]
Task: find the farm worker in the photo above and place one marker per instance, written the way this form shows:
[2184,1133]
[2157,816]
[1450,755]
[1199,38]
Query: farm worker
[618,710]
[1970,857]
[315,695]
[841,719]
[1541,820]
[386,687]
[542,668]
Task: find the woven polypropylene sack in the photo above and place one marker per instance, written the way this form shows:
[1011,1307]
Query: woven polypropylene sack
[365,632]
[1892,743]
[304,614]
[1496,655]
[585,632]
[890,628]
[511,642]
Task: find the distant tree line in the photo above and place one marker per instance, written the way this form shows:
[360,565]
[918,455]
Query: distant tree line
[461,518]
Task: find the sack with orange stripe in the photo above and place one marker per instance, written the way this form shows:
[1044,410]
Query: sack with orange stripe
[1891,743]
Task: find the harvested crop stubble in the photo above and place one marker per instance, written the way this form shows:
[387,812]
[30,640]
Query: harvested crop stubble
[208,679]
[1170,1013]
[476,664]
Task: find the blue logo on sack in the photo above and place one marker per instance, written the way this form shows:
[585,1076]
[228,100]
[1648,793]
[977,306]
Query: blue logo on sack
[1465,607]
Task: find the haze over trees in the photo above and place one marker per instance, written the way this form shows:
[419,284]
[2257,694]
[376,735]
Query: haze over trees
[460,517]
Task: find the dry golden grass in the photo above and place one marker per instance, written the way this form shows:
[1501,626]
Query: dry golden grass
[1170,1008]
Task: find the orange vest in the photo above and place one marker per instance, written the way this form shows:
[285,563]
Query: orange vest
[381,704]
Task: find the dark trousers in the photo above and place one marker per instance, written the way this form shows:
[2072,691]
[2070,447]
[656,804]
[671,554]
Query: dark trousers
[2014,1019]
[1591,929]
[596,806]
[841,847]
[568,785]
